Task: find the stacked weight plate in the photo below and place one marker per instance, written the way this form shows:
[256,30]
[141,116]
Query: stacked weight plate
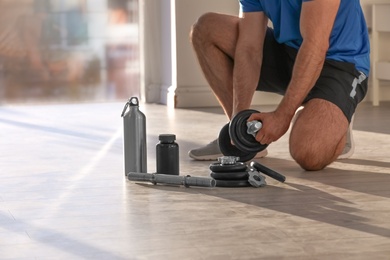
[230,175]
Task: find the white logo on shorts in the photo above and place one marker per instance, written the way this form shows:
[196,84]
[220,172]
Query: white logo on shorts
[355,82]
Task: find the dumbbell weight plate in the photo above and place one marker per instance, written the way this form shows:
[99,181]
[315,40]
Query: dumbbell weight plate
[229,176]
[240,137]
[237,167]
[228,149]
[238,129]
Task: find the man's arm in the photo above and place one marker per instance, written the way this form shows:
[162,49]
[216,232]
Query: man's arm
[317,19]
[248,58]
[316,23]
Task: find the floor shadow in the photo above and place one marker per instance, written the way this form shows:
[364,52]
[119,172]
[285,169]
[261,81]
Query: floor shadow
[366,163]
[304,200]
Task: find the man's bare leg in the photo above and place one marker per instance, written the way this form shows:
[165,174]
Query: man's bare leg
[318,135]
[214,38]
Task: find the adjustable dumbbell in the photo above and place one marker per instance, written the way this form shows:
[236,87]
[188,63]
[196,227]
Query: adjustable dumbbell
[242,133]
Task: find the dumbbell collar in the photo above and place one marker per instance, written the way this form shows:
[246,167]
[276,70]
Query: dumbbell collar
[228,160]
[255,178]
[253,127]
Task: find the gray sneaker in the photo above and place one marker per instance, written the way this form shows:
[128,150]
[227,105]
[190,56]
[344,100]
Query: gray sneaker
[211,152]
[349,147]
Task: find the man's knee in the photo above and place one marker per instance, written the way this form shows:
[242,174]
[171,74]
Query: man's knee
[200,28]
[307,158]
[318,135]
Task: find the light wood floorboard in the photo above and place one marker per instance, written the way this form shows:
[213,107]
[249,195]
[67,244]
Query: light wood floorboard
[63,194]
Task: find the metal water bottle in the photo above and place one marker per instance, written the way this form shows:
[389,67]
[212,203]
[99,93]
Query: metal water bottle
[134,137]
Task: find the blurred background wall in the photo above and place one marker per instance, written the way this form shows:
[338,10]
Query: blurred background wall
[108,50]
[68,50]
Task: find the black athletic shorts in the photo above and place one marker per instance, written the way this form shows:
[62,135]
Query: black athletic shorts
[339,83]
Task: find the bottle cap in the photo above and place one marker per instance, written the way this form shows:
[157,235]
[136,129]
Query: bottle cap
[167,138]
[133,101]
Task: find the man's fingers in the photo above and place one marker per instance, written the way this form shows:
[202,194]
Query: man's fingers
[254,116]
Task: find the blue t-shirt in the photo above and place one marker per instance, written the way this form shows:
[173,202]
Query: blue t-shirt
[349,39]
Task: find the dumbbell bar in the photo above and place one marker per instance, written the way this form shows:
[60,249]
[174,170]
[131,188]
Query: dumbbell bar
[267,171]
[186,181]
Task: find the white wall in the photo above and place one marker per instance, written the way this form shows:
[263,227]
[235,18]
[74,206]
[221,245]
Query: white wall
[152,47]
[192,89]
[384,50]
[170,74]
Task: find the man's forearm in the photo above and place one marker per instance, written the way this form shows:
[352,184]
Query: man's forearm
[307,69]
[246,75]
[316,23]
[247,59]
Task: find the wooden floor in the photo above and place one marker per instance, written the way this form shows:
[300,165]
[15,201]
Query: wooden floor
[63,194]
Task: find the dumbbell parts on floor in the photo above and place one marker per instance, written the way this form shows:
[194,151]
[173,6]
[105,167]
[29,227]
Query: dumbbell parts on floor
[267,171]
[228,172]
[242,133]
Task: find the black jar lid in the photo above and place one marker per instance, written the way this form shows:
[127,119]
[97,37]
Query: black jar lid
[167,138]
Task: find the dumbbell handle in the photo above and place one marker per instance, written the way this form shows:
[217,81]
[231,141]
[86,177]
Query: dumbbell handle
[267,171]
[253,127]
[171,179]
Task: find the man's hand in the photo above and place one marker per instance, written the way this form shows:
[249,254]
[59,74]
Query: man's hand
[275,125]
